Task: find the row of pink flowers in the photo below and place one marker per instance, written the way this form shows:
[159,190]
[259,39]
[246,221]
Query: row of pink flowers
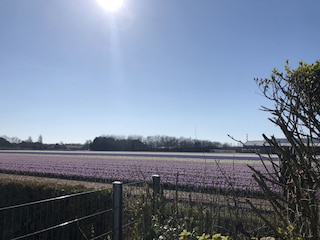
[183,169]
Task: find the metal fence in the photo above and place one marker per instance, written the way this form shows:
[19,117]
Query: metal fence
[96,214]
[113,212]
[74,216]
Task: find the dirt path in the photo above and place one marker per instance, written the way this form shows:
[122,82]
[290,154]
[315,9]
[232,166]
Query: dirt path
[55,181]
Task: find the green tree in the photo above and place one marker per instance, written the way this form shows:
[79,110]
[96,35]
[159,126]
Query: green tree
[295,95]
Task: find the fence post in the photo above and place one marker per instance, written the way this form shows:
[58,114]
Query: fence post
[156,191]
[117,210]
[156,184]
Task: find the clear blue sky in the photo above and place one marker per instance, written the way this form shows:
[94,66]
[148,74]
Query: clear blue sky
[71,71]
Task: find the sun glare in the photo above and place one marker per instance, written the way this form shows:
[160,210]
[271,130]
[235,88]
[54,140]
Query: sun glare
[111,5]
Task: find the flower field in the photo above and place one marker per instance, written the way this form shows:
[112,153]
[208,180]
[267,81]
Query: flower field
[191,169]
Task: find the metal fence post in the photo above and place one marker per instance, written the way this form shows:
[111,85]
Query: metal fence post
[156,191]
[117,210]
[156,184]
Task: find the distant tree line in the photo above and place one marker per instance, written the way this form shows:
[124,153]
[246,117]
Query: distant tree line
[119,143]
[153,143]
[14,143]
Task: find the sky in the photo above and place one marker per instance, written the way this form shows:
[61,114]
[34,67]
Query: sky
[71,71]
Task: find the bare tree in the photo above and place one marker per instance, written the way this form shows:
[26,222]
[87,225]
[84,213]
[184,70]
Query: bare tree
[40,139]
[29,140]
[294,190]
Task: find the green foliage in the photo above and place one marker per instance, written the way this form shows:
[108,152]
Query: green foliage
[185,235]
[289,233]
[166,218]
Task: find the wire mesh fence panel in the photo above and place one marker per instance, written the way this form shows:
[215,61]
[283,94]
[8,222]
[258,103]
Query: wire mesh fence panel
[74,216]
[220,207]
[137,213]
[208,203]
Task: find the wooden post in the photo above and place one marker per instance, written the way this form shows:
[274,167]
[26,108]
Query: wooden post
[117,210]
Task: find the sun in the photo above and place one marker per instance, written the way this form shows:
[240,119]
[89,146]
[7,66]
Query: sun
[111,5]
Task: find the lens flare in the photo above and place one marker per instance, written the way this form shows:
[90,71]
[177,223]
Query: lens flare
[111,5]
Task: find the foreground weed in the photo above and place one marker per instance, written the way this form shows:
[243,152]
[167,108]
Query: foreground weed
[185,235]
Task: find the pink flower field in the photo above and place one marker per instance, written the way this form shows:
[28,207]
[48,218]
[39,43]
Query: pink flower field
[192,169]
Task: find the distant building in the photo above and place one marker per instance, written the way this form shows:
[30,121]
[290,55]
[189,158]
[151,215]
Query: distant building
[262,146]
[254,146]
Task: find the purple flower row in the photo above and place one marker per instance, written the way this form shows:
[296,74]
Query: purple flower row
[221,173]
